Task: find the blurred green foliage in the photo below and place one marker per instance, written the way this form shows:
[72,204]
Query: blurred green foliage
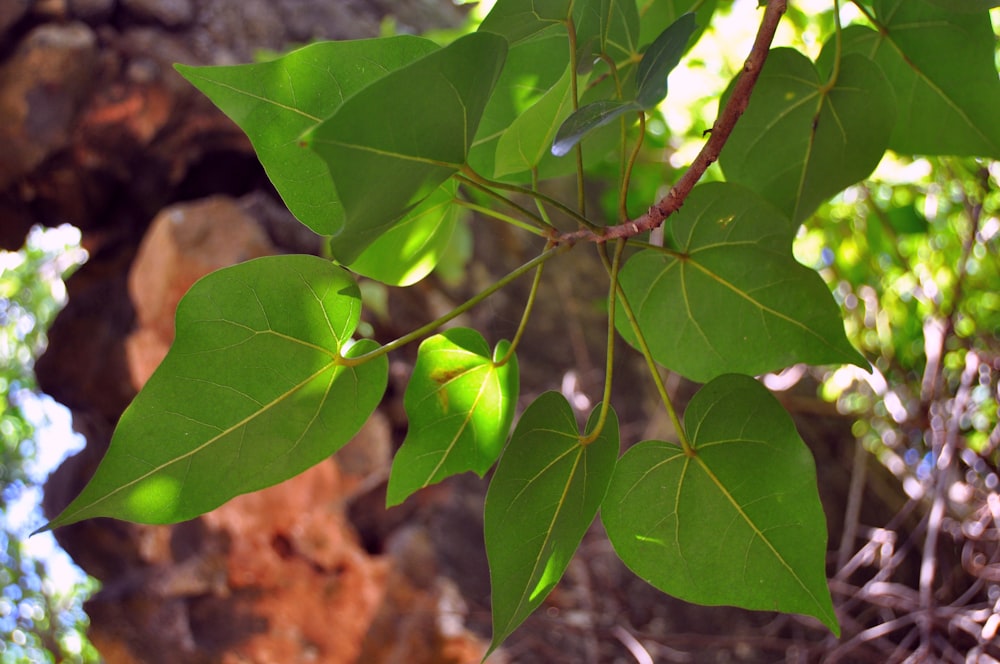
[41,619]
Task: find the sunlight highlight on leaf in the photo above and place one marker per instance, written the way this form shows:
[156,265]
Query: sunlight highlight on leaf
[543,497]
[251,393]
[460,407]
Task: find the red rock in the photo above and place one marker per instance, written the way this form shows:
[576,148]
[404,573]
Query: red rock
[184,243]
[42,87]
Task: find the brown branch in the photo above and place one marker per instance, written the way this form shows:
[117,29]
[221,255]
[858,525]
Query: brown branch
[720,132]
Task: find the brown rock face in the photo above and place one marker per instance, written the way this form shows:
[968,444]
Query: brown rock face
[42,87]
[184,243]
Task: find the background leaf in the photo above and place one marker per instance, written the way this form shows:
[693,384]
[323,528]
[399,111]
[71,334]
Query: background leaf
[520,21]
[798,145]
[737,300]
[543,497]
[704,529]
[251,393]
[656,15]
[611,25]
[275,102]
[660,59]
[396,141]
[460,407]
[966,6]
[941,68]
[412,248]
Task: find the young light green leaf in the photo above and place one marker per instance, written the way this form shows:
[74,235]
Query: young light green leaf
[729,296]
[543,497]
[585,120]
[275,102]
[460,407]
[941,67]
[660,59]
[705,528]
[411,249]
[531,70]
[523,145]
[799,143]
[397,140]
[252,392]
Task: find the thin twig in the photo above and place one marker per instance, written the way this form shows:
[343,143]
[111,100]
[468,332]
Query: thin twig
[709,154]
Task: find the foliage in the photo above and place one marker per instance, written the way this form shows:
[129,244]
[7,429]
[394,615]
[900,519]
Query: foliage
[383,145]
[40,620]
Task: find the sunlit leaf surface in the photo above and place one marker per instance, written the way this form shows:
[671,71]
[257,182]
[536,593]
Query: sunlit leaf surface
[460,406]
[543,497]
[252,392]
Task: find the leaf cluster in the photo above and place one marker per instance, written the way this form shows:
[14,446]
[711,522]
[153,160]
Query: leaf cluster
[386,145]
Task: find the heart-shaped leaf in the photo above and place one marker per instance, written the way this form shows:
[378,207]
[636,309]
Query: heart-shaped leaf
[660,59]
[941,68]
[397,140]
[411,249]
[708,529]
[800,143]
[253,391]
[275,102]
[729,296]
[543,497]
[460,406]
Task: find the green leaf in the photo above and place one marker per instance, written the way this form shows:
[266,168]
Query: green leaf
[411,249]
[739,522]
[660,59]
[543,497]
[252,392]
[730,296]
[656,15]
[797,144]
[460,407]
[396,141]
[275,102]
[523,20]
[525,143]
[966,6]
[941,67]
[611,25]
[532,69]
[585,120]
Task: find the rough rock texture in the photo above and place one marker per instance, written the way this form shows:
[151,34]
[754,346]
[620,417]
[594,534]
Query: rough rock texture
[185,242]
